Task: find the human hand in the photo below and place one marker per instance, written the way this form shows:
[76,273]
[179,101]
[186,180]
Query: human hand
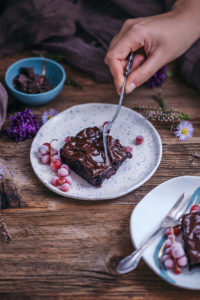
[160,39]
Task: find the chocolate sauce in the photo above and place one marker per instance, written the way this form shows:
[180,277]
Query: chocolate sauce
[191,236]
[87,147]
[85,153]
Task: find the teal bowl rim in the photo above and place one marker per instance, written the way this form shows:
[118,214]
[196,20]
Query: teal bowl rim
[40,59]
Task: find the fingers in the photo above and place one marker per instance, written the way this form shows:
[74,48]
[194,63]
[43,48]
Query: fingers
[117,70]
[116,59]
[144,72]
[137,61]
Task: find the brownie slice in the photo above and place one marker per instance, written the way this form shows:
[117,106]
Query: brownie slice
[84,154]
[29,82]
[191,236]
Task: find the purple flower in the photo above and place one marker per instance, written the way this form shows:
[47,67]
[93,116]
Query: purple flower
[184,131]
[157,79]
[23,125]
[47,115]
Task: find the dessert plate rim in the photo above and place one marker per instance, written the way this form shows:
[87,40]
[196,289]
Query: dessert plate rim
[101,197]
[152,199]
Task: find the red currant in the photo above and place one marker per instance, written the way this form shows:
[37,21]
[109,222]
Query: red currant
[55,165]
[177,270]
[128,149]
[67,139]
[176,230]
[139,140]
[195,207]
[61,180]
[47,144]
[65,187]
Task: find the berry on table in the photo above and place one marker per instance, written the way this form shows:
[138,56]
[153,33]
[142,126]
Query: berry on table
[65,167]
[168,251]
[61,180]
[65,187]
[168,243]
[194,208]
[165,257]
[45,159]
[48,145]
[177,250]
[67,139]
[62,172]
[54,180]
[55,152]
[139,140]
[128,149]
[177,270]
[68,180]
[182,261]
[43,150]
[55,157]
[169,263]
[176,230]
[55,165]
[168,231]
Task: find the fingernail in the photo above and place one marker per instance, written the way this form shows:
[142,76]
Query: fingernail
[130,87]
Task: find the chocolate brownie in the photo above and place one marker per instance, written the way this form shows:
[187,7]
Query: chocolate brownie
[30,83]
[191,236]
[84,154]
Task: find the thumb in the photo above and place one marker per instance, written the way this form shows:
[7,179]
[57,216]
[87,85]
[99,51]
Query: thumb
[151,65]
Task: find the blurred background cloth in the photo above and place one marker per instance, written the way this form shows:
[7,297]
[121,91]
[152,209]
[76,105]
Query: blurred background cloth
[81,30]
[3,104]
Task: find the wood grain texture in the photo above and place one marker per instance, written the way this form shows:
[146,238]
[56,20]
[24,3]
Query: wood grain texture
[68,249]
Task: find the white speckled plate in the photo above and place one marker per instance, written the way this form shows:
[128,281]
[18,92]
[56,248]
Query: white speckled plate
[148,214]
[133,172]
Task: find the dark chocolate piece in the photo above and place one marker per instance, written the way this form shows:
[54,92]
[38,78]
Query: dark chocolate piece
[85,155]
[29,82]
[191,236]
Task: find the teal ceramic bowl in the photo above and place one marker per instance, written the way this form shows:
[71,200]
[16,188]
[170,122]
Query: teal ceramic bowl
[54,72]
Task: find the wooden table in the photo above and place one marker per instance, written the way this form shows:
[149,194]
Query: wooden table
[67,249]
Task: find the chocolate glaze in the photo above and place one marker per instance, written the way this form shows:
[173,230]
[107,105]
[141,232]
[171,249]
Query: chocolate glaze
[85,152]
[191,235]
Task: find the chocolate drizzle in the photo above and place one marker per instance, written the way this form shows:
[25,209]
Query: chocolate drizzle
[85,151]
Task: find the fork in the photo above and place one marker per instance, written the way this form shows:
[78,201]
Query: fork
[108,125]
[131,262]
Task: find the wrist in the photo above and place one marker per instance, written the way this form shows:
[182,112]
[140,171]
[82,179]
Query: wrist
[187,12]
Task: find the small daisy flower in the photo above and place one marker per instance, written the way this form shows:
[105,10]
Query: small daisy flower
[184,131]
[47,115]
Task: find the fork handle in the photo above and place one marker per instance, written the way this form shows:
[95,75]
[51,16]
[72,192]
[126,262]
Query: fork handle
[130,263]
[126,73]
[130,61]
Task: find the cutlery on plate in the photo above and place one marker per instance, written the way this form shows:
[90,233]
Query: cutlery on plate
[131,262]
[108,125]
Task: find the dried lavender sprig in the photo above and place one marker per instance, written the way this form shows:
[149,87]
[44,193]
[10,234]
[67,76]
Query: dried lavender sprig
[171,116]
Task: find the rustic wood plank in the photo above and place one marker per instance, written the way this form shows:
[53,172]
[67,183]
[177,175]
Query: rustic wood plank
[67,249]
